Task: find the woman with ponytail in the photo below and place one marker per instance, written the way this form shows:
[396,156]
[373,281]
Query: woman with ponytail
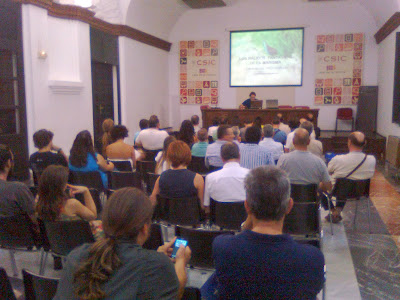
[117,267]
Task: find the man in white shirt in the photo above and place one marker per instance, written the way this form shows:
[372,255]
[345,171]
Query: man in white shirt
[227,185]
[152,138]
[289,139]
[268,142]
[315,147]
[342,165]
[282,126]
[196,123]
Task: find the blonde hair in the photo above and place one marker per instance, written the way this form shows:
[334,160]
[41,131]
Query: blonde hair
[107,126]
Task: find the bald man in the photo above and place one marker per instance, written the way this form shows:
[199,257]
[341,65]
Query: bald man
[289,139]
[342,165]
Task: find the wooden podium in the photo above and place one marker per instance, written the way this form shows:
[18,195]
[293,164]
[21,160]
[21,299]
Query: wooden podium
[250,114]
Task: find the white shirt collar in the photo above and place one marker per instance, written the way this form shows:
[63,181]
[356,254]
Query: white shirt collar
[231,164]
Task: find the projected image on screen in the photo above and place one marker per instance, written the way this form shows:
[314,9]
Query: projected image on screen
[271,57]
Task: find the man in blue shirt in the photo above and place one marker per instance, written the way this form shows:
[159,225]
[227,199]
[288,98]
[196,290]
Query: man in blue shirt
[279,135]
[213,154]
[262,262]
[247,103]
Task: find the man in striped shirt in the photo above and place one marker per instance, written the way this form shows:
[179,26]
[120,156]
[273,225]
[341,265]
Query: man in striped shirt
[253,155]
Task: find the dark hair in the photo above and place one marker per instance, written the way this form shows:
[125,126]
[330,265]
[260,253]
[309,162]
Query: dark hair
[267,193]
[252,135]
[202,135]
[143,124]
[225,121]
[125,214]
[276,120]
[153,121]
[307,125]
[216,121]
[294,123]
[258,122]
[107,126]
[230,151]
[119,132]
[42,138]
[186,132]
[82,146]
[252,93]
[222,131]
[355,142]
[5,156]
[51,192]
[235,121]
[168,140]
[178,153]
[195,120]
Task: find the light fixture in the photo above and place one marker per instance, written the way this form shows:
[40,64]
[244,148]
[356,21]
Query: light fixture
[42,54]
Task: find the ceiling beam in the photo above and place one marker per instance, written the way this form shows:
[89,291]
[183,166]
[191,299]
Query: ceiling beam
[387,28]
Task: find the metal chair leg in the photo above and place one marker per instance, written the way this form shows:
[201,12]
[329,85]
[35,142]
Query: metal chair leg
[330,213]
[355,215]
[369,214]
[13,263]
[43,260]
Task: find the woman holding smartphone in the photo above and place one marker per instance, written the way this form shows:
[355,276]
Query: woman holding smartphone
[117,267]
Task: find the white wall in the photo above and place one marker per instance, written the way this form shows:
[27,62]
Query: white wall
[387,52]
[67,67]
[317,18]
[144,83]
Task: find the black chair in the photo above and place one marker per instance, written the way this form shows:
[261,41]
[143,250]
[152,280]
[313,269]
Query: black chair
[39,287]
[6,290]
[17,234]
[346,190]
[191,293]
[96,198]
[151,154]
[200,242]
[155,240]
[228,215]
[125,179]
[144,167]
[36,172]
[64,236]
[88,179]
[213,169]
[152,180]
[179,211]
[198,165]
[122,165]
[34,190]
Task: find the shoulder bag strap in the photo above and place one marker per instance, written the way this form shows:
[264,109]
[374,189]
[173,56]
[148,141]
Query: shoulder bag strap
[356,168]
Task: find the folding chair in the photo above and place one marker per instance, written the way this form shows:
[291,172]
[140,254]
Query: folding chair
[152,180]
[345,114]
[228,215]
[88,179]
[151,154]
[6,290]
[198,165]
[156,238]
[145,167]
[179,211]
[96,198]
[120,180]
[39,287]
[122,165]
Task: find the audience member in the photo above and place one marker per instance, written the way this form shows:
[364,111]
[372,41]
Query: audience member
[315,147]
[253,155]
[224,121]
[117,267]
[275,148]
[152,138]
[227,185]
[247,103]
[119,149]
[236,133]
[235,121]
[48,153]
[303,167]
[279,135]
[200,148]
[247,124]
[106,140]
[289,139]
[162,164]
[282,126]
[215,124]
[317,130]
[179,182]
[195,122]
[83,158]
[354,165]
[187,133]
[258,122]
[261,262]
[143,124]
[213,153]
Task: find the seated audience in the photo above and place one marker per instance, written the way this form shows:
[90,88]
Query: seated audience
[179,182]
[107,126]
[289,139]
[119,149]
[195,122]
[162,163]
[83,158]
[200,148]
[342,166]
[117,267]
[215,124]
[253,155]
[261,262]
[236,133]
[152,138]
[213,153]
[268,142]
[48,153]
[226,185]
[187,134]
[258,122]
[282,126]
[247,124]
[279,135]
[302,166]
[143,124]
[315,147]
[317,130]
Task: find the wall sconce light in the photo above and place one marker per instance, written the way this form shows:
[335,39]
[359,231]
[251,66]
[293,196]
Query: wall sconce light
[42,54]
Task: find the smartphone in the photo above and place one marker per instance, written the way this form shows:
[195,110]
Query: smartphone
[177,244]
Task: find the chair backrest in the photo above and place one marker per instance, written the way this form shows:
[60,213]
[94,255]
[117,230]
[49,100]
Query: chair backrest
[122,165]
[301,107]
[191,293]
[16,232]
[304,192]
[151,154]
[179,211]
[348,189]
[96,198]
[152,180]
[39,287]
[144,167]
[228,215]
[64,236]
[37,172]
[155,240]
[88,179]
[125,179]
[344,113]
[198,165]
[6,290]
[213,169]
[200,242]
